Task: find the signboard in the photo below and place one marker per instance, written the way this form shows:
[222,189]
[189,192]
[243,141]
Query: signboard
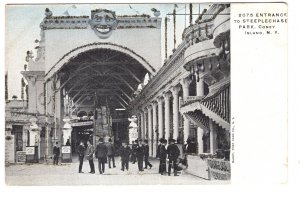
[65,149]
[21,156]
[30,150]
[10,148]
[78,124]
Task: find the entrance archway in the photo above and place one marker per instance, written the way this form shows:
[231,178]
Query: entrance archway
[65,59]
[102,80]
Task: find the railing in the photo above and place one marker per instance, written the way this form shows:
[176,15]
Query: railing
[81,22]
[64,22]
[199,118]
[138,22]
[197,33]
[191,99]
[202,30]
[219,103]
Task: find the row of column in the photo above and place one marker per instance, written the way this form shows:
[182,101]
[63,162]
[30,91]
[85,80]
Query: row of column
[157,127]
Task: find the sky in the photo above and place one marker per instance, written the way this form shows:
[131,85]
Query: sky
[22,29]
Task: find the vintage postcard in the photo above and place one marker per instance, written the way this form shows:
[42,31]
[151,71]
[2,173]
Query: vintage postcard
[145,94]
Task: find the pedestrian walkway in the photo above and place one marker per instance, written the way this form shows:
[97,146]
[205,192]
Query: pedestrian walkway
[67,174]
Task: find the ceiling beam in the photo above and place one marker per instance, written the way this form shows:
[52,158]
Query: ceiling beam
[72,76]
[122,99]
[116,98]
[121,78]
[120,89]
[129,71]
[102,63]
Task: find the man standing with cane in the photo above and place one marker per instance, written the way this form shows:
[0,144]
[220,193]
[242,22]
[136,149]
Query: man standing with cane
[89,156]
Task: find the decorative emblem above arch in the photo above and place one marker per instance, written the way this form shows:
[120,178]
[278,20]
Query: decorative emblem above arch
[97,45]
[103,22]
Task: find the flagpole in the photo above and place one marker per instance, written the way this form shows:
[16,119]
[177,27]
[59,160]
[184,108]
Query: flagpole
[184,15]
[191,14]
[174,21]
[166,37]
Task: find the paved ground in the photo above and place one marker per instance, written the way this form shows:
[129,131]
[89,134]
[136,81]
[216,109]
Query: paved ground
[66,174]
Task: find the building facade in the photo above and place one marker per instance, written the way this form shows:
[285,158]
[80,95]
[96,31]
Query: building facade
[189,98]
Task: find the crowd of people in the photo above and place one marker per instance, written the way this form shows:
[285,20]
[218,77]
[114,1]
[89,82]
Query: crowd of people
[138,152]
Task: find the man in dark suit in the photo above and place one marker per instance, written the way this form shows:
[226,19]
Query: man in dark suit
[140,155]
[158,148]
[125,152]
[162,156]
[89,155]
[146,153]
[110,153]
[173,154]
[56,153]
[101,155]
[133,154]
[81,151]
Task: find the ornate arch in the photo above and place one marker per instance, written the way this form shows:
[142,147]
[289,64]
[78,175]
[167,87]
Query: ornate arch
[97,45]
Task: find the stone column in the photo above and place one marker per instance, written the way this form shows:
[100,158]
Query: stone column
[139,124]
[145,124]
[25,136]
[167,115]
[185,83]
[175,90]
[142,125]
[200,132]
[213,137]
[32,94]
[150,130]
[200,87]
[160,118]
[154,129]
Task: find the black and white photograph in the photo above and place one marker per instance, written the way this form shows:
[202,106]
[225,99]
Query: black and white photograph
[153,98]
[118,94]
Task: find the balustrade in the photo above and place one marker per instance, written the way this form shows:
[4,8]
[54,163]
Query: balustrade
[191,99]
[219,103]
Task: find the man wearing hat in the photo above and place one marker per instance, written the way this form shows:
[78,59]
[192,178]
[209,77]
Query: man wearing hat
[125,152]
[133,154]
[101,155]
[81,151]
[146,153]
[110,153]
[162,156]
[140,155]
[173,154]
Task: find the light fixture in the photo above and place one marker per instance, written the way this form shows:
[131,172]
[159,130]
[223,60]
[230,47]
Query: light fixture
[120,109]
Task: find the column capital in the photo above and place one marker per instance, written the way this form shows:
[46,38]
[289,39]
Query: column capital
[140,112]
[149,107]
[160,100]
[167,96]
[175,90]
[185,82]
[154,104]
